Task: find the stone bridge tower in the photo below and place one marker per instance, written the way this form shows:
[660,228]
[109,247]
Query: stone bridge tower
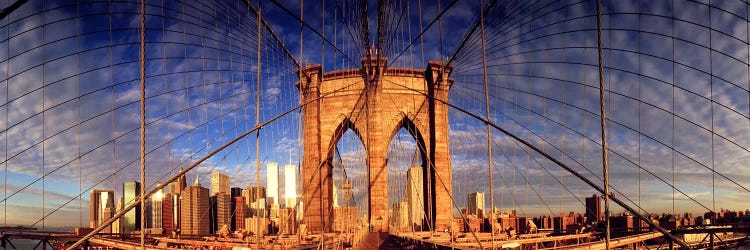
[375,105]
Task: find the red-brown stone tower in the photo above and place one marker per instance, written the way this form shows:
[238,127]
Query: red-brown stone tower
[375,104]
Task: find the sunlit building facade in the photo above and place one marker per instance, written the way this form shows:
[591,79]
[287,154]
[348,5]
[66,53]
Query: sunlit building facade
[194,210]
[131,221]
[220,183]
[475,203]
[156,210]
[290,185]
[101,208]
[272,183]
[414,196]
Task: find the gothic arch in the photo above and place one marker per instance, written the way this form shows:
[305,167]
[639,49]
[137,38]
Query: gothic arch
[343,126]
[406,123]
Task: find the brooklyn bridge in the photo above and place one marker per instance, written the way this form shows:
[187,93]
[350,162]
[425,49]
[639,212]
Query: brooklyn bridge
[389,124]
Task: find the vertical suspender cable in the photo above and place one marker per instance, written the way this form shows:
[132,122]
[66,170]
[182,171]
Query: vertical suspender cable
[673,110]
[711,94]
[257,122]
[7,110]
[112,111]
[428,176]
[603,117]
[440,30]
[489,133]
[78,121]
[143,121]
[321,166]
[301,93]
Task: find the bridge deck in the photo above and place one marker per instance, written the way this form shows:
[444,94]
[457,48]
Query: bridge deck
[120,244]
[468,241]
[618,242]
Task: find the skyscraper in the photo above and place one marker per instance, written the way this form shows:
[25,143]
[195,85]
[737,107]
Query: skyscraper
[223,210]
[335,196]
[253,194]
[300,209]
[117,224]
[414,196]
[593,209]
[219,183]
[476,203]
[345,218]
[177,186]
[272,183]
[101,208]
[400,216]
[194,209]
[239,213]
[169,221]
[287,221]
[132,219]
[290,185]
[156,210]
[211,214]
[234,193]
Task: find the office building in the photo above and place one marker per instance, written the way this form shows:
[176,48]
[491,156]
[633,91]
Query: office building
[476,204]
[400,217]
[234,193]
[132,219]
[223,210]
[344,218]
[101,208]
[290,185]
[274,212]
[177,186]
[414,196]
[287,221]
[335,196]
[258,209]
[300,209]
[253,194]
[194,209]
[155,211]
[272,183]
[593,209]
[257,225]
[239,214]
[168,213]
[347,196]
[219,183]
[117,224]
[212,215]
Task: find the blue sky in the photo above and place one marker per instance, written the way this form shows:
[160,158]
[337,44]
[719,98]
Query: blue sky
[676,81]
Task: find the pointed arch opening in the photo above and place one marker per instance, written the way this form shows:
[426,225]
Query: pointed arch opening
[407,164]
[347,160]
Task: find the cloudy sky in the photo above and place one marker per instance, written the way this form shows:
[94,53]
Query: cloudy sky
[676,91]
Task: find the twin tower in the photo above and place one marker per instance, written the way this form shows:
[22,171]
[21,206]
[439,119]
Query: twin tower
[375,103]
